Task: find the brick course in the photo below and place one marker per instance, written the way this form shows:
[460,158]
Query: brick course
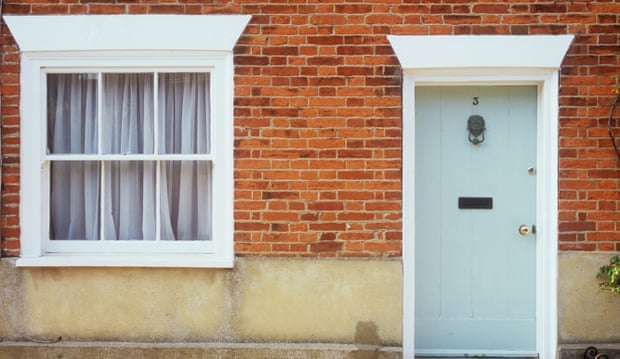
[318,115]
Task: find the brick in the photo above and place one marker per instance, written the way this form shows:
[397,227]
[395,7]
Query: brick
[325,206]
[384,247]
[577,226]
[318,116]
[490,8]
[462,19]
[326,247]
[353,8]
[107,9]
[577,247]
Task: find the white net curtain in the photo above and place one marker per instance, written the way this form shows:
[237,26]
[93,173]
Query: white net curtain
[135,199]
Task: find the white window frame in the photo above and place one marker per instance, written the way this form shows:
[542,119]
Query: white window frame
[124,43]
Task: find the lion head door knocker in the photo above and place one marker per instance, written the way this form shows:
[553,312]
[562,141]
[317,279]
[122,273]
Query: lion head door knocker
[475,126]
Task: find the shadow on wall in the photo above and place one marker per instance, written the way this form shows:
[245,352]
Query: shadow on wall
[367,338]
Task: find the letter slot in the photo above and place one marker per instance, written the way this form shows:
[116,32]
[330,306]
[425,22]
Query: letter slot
[475,202]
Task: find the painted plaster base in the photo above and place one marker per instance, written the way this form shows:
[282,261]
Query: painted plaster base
[351,303]
[585,315]
[355,302]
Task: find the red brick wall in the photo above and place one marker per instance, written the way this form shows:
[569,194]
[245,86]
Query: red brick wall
[318,124]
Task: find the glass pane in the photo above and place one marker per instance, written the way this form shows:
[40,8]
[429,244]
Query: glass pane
[184,113]
[128,113]
[72,113]
[74,200]
[129,200]
[186,200]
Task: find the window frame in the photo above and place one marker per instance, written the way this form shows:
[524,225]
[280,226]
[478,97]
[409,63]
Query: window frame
[145,246]
[36,247]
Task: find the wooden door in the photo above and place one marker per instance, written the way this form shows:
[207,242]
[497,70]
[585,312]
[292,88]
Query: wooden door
[475,270]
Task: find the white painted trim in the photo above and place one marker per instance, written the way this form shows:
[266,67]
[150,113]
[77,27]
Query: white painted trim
[126,260]
[126,32]
[408,187]
[424,63]
[547,216]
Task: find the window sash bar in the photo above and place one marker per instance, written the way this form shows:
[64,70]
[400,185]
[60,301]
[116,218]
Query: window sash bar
[132,157]
[158,165]
[99,113]
[156,151]
[156,112]
[120,246]
[102,167]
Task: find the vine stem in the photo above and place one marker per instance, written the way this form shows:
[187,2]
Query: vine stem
[611,115]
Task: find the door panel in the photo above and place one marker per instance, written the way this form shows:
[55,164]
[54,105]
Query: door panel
[475,274]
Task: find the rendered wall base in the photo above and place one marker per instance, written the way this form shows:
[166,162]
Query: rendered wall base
[189,351]
[353,302]
[586,317]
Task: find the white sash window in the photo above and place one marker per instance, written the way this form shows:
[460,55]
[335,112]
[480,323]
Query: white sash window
[126,151]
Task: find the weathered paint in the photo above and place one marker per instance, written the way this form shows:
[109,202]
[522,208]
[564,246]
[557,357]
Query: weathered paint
[265,300]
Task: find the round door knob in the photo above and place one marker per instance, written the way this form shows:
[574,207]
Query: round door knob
[524,230]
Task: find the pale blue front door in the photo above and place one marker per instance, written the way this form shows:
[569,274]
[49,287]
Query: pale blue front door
[475,275]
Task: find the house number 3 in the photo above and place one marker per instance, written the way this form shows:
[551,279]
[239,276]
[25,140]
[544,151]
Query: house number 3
[475,101]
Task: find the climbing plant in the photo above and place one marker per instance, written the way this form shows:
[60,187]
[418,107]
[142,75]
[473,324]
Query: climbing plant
[610,276]
[616,92]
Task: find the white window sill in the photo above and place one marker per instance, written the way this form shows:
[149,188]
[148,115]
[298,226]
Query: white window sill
[127,260]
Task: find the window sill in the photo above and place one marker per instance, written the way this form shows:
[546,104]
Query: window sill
[127,260]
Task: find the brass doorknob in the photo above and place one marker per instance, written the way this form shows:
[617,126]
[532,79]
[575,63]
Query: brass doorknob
[524,230]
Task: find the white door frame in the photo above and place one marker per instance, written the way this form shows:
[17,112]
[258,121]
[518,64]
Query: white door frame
[489,60]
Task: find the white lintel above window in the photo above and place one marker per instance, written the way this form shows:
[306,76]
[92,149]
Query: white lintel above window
[126,32]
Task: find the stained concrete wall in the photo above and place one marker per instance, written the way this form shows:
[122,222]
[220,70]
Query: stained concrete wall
[260,300]
[585,316]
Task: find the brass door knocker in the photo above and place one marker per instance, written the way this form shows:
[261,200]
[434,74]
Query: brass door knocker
[475,126]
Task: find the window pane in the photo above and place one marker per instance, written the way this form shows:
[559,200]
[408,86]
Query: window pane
[184,113]
[74,200]
[128,113]
[185,200]
[72,113]
[129,200]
